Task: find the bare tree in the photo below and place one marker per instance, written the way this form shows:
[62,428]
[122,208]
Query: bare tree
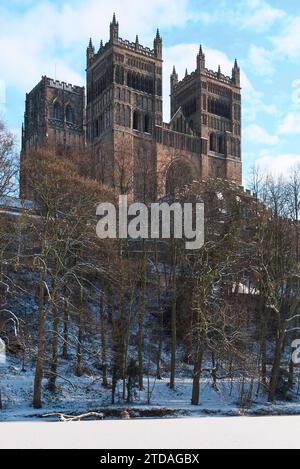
[8,162]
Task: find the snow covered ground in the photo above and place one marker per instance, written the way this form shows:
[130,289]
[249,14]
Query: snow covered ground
[80,395]
[210,433]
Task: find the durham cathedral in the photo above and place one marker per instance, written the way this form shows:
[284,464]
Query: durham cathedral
[119,119]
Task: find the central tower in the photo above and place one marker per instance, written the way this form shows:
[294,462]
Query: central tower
[124,104]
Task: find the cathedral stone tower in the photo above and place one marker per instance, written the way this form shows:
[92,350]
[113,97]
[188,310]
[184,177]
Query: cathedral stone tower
[54,116]
[54,113]
[211,102]
[124,104]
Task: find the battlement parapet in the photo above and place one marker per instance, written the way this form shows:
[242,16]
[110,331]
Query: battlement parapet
[130,46]
[218,76]
[64,86]
[135,47]
[209,73]
[187,79]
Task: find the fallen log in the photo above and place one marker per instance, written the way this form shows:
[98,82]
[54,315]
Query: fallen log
[75,418]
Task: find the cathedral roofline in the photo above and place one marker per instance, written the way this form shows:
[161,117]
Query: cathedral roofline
[134,46]
[58,84]
[219,77]
[66,86]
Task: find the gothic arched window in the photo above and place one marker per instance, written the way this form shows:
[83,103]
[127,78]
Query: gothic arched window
[57,112]
[129,79]
[221,146]
[69,115]
[147,126]
[118,114]
[159,87]
[212,142]
[136,120]
[134,80]
[117,75]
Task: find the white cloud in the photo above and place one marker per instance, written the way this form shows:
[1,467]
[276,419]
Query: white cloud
[259,136]
[296,92]
[260,61]
[24,70]
[258,15]
[290,124]
[278,165]
[287,44]
[253,15]
[254,101]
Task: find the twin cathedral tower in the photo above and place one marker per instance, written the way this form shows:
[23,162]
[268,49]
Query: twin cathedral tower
[119,119]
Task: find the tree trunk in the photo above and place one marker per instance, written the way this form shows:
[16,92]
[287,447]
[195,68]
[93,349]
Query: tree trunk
[161,317]
[174,320]
[78,369]
[128,334]
[54,360]
[263,347]
[292,364]
[65,351]
[276,364]
[141,319]
[129,390]
[159,353]
[291,374]
[103,327]
[197,375]
[114,385]
[37,392]
[122,340]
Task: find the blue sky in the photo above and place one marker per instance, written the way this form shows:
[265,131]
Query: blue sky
[41,37]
